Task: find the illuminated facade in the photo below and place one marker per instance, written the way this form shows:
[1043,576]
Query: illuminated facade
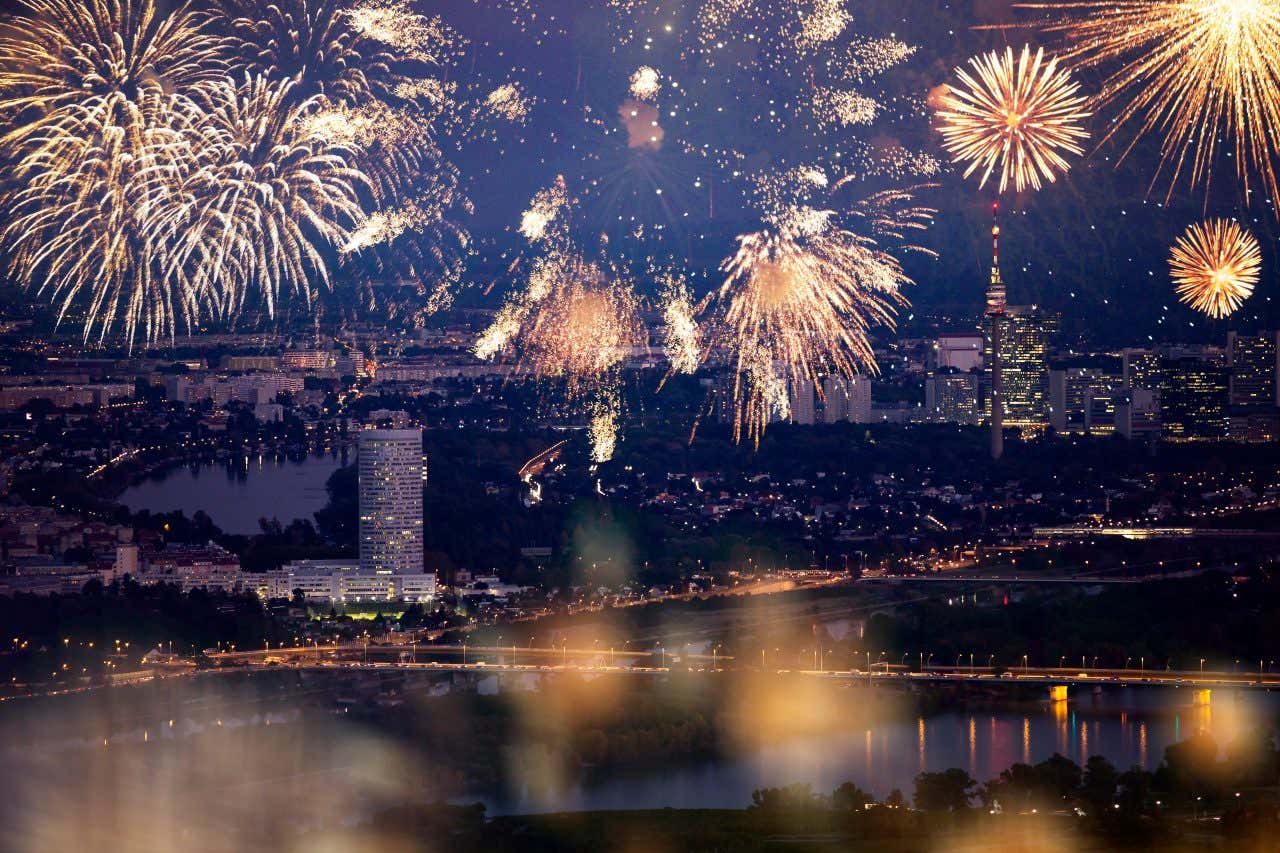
[391,501]
[1024,335]
[1141,369]
[846,399]
[1083,394]
[800,396]
[1193,399]
[997,298]
[951,396]
[1255,368]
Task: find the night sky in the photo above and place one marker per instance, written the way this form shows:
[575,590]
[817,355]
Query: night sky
[1093,246]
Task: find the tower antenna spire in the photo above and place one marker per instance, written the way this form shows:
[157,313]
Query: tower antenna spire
[996,302]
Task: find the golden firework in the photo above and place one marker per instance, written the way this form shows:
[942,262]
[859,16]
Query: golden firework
[99,145]
[269,196]
[1200,74]
[1019,116]
[798,302]
[1215,266]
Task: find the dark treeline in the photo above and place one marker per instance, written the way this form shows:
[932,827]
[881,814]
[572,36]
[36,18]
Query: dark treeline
[1193,801]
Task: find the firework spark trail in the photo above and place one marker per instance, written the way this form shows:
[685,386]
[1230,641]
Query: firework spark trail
[798,302]
[395,24]
[681,337]
[602,431]
[574,322]
[645,84]
[1215,266]
[94,177]
[1192,72]
[1015,115]
[510,102]
[375,65]
[548,205]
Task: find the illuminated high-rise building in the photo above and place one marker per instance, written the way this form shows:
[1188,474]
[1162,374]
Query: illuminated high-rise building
[391,501]
[951,396]
[800,398]
[1024,332]
[1193,399]
[1083,393]
[835,399]
[1141,369]
[846,399]
[1254,362]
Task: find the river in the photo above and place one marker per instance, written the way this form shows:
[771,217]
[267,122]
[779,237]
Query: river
[231,730]
[1129,726]
[236,493]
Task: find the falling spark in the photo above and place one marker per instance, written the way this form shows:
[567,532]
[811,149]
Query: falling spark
[797,303]
[680,330]
[509,102]
[847,108]
[1215,266]
[394,23]
[543,210]
[824,23]
[1015,115]
[603,429]
[645,83]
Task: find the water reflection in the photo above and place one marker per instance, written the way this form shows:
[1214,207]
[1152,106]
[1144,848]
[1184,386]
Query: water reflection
[1128,726]
[237,492]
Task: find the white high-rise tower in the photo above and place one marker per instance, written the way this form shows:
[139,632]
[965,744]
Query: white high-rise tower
[391,501]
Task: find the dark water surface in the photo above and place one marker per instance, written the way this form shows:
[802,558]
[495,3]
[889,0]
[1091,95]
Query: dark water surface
[237,493]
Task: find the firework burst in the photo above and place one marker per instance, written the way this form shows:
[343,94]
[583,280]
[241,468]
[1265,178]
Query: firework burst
[273,194]
[1015,115]
[98,150]
[1215,266]
[681,340]
[798,302]
[574,322]
[1194,72]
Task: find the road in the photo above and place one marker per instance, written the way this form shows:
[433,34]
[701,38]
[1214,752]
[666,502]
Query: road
[597,660]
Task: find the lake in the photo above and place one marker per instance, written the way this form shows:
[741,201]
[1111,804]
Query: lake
[236,493]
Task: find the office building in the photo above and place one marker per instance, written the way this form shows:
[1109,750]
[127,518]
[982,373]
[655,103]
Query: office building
[1083,393]
[951,396]
[341,582]
[1193,399]
[1254,362]
[860,400]
[997,301]
[800,396]
[1138,413]
[1023,379]
[959,351]
[846,399]
[390,468]
[1141,368]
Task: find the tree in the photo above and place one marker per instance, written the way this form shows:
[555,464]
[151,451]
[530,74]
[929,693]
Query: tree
[1060,775]
[895,800]
[1135,788]
[787,799]
[1190,765]
[951,790]
[1098,786]
[1252,758]
[850,798]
